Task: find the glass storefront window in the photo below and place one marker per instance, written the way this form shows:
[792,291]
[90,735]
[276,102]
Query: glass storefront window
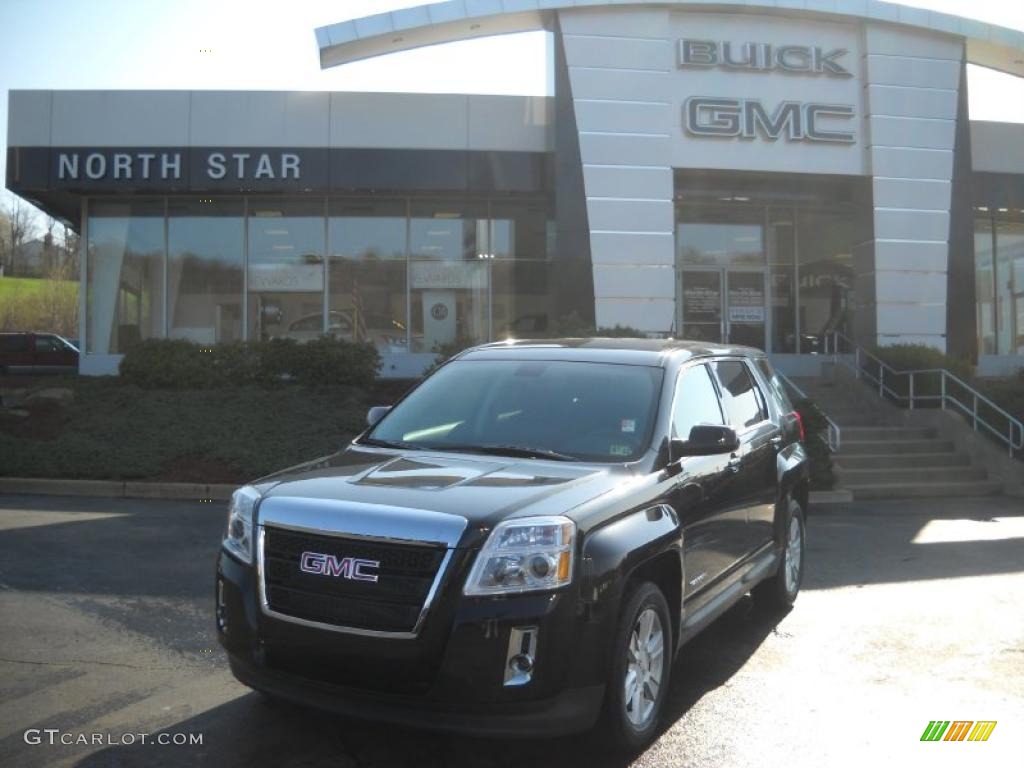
[999,284]
[781,256]
[125,296]
[367,289]
[286,269]
[204,270]
[985,283]
[723,237]
[407,276]
[825,262]
[449,275]
[522,299]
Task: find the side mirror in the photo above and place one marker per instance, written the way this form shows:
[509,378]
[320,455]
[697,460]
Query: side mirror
[376,413]
[706,440]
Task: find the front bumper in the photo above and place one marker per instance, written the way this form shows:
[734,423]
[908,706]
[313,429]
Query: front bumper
[450,677]
[571,711]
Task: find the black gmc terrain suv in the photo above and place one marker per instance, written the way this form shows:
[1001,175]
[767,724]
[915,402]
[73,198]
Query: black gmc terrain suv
[524,542]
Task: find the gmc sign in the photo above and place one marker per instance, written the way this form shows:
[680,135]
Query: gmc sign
[705,116]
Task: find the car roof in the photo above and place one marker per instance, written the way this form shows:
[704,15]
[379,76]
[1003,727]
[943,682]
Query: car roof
[623,351]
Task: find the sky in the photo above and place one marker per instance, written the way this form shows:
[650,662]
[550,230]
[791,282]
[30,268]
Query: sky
[263,45]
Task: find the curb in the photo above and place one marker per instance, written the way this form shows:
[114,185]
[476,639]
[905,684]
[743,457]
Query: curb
[117,489]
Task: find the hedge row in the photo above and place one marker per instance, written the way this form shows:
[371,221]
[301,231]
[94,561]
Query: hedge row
[178,364]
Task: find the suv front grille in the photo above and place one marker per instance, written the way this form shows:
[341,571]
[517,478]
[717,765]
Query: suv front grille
[392,604]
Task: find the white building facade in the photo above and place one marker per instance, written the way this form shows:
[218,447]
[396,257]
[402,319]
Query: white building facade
[764,173]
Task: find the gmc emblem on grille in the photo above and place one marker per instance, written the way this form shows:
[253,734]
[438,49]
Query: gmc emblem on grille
[353,568]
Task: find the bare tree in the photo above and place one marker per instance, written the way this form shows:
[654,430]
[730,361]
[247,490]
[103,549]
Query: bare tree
[22,226]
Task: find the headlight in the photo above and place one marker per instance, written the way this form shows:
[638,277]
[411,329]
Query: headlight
[524,555]
[238,537]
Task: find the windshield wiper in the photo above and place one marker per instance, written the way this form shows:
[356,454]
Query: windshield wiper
[376,443]
[521,451]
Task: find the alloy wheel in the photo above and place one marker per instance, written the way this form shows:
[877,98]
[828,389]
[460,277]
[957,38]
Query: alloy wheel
[645,667]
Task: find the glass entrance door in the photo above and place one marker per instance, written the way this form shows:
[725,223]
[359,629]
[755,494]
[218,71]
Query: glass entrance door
[724,305]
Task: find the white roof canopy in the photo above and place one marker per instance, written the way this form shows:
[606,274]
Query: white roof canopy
[987,44]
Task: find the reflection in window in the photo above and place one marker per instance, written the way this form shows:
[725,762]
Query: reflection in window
[368,273]
[999,281]
[286,268]
[696,402]
[985,283]
[449,275]
[826,242]
[124,303]
[521,300]
[204,270]
[781,255]
[720,236]
[741,401]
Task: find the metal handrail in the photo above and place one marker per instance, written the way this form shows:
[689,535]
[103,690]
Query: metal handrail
[1013,438]
[833,434]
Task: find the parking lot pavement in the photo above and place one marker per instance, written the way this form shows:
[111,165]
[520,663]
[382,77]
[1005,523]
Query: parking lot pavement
[910,612]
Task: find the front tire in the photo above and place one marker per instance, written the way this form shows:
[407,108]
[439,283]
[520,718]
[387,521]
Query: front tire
[641,667]
[779,592]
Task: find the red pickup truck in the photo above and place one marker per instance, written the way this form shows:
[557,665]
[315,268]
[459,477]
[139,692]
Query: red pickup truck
[37,353]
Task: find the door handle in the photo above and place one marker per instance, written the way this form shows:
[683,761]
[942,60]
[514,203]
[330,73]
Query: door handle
[734,464]
[777,441]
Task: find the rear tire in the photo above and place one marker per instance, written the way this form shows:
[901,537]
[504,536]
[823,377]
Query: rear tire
[779,591]
[640,669]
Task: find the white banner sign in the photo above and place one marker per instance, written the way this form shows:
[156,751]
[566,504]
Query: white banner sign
[284,278]
[447,275]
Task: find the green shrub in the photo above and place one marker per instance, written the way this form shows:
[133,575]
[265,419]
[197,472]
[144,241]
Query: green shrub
[178,364]
[815,426]
[167,364]
[327,362]
[909,357]
[1007,393]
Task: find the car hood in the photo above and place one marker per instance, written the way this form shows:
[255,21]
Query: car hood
[482,489]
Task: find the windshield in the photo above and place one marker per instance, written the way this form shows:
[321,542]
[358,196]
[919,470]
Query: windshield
[578,410]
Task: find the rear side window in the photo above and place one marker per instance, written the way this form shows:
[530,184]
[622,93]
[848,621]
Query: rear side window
[696,402]
[775,384]
[14,343]
[740,396]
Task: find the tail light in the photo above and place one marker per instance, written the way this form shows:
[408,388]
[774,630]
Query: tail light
[799,423]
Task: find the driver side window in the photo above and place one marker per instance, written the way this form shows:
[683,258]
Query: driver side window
[696,402]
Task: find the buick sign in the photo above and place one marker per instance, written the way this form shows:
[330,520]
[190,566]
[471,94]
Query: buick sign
[352,568]
[763,57]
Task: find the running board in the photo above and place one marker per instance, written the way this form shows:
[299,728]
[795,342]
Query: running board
[692,624]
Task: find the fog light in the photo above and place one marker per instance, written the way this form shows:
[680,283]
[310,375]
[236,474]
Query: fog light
[221,612]
[521,657]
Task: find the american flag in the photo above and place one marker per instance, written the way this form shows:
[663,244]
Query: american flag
[359,332]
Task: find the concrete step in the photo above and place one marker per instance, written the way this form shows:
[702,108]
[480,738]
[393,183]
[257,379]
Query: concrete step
[901,460]
[925,490]
[862,447]
[880,432]
[884,476]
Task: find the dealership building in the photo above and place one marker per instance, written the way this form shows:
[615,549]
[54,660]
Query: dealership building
[763,173]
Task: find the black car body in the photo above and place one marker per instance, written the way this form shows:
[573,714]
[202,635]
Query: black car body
[371,582]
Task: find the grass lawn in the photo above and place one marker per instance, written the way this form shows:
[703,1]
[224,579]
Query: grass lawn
[27,286]
[114,431]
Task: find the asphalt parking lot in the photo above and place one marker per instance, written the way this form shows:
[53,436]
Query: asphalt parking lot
[911,612]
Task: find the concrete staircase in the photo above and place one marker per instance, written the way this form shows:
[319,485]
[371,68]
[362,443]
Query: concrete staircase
[881,456]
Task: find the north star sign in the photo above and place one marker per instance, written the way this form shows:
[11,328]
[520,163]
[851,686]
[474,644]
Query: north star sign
[725,117]
[167,166]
